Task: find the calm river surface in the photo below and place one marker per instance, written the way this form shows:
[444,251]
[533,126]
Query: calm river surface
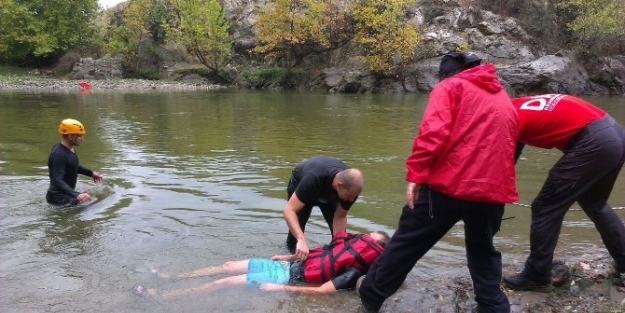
[194,179]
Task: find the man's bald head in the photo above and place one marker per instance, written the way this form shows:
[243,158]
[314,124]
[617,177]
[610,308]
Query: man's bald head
[352,180]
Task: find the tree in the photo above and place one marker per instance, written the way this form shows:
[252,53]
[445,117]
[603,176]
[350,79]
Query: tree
[127,37]
[600,24]
[293,29]
[383,32]
[37,32]
[203,31]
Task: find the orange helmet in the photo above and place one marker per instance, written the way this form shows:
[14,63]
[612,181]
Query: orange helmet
[70,126]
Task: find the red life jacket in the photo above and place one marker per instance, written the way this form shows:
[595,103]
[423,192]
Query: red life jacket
[345,251]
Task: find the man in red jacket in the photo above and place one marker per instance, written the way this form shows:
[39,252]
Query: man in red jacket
[461,168]
[594,152]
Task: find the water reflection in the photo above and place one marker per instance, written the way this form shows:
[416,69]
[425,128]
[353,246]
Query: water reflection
[66,233]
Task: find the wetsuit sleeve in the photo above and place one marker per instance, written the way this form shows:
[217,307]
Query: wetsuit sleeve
[518,151]
[85,171]
[348,279]
[433,136]
[57,164]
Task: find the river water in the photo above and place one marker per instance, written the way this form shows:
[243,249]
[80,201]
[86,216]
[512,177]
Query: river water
[194,179]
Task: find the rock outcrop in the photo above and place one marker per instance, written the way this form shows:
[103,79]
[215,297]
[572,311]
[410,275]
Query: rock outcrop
[523,65]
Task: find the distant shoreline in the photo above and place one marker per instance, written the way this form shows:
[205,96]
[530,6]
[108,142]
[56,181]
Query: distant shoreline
[54,84]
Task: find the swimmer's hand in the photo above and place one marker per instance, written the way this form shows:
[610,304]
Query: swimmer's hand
[83,197]
[97,177]
[284,257]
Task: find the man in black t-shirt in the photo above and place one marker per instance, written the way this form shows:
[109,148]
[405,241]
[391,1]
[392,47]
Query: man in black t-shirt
[324,182]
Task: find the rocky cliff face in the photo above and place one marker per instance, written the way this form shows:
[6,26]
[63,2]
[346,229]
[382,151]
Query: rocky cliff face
[524,67]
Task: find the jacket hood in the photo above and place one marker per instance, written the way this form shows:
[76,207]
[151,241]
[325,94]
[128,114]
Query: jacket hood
[483,76]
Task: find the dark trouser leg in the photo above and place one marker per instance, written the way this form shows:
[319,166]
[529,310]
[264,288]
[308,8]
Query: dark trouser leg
[328,210]
[547,217]
[302,217]
[572,178]
[416,234]
[594,203]
[481,223]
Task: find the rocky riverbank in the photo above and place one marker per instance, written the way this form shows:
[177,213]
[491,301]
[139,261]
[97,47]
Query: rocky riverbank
[51,84]
[587,286]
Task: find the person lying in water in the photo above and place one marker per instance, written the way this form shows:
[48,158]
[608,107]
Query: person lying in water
[328,269]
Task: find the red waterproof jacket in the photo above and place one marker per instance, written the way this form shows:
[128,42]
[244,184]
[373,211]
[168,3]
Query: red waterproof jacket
[551,120]
[466,142]
[345,251]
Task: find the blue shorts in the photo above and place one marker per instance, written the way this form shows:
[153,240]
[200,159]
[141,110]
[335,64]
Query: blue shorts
[261,271]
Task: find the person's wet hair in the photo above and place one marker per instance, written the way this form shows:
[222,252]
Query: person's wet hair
[384,240]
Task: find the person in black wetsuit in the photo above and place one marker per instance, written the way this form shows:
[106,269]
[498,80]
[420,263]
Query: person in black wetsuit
[63,166]
[324,182]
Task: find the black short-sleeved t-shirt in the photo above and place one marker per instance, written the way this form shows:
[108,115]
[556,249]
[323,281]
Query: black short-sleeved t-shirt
[312,181]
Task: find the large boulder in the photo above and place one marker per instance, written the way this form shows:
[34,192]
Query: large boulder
[548,74]
[608,72]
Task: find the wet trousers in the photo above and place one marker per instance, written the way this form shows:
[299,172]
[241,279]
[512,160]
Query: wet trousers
[434,214]
[586,173]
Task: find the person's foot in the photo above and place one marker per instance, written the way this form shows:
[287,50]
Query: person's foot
[363,307]
[520,282]
[142,291]
[358,284]
[158,274]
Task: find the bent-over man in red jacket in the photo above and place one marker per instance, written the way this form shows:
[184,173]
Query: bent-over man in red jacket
[594,152]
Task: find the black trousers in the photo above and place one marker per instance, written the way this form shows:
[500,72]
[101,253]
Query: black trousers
[586,173]
[420,228]
[327,210]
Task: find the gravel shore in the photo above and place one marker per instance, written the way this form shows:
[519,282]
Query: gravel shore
[49,84]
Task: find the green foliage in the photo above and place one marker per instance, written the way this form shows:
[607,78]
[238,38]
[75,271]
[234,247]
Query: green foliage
[126,39]
[463,47]
[203,31]
[10,74]
[264,76]
[39,31]
[148,73]
[200,70]
[294,29]
[599,24]
[382,31]
[159,19]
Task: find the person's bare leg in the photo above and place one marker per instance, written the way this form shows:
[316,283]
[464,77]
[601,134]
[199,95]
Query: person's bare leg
[221,283]
[228,267]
